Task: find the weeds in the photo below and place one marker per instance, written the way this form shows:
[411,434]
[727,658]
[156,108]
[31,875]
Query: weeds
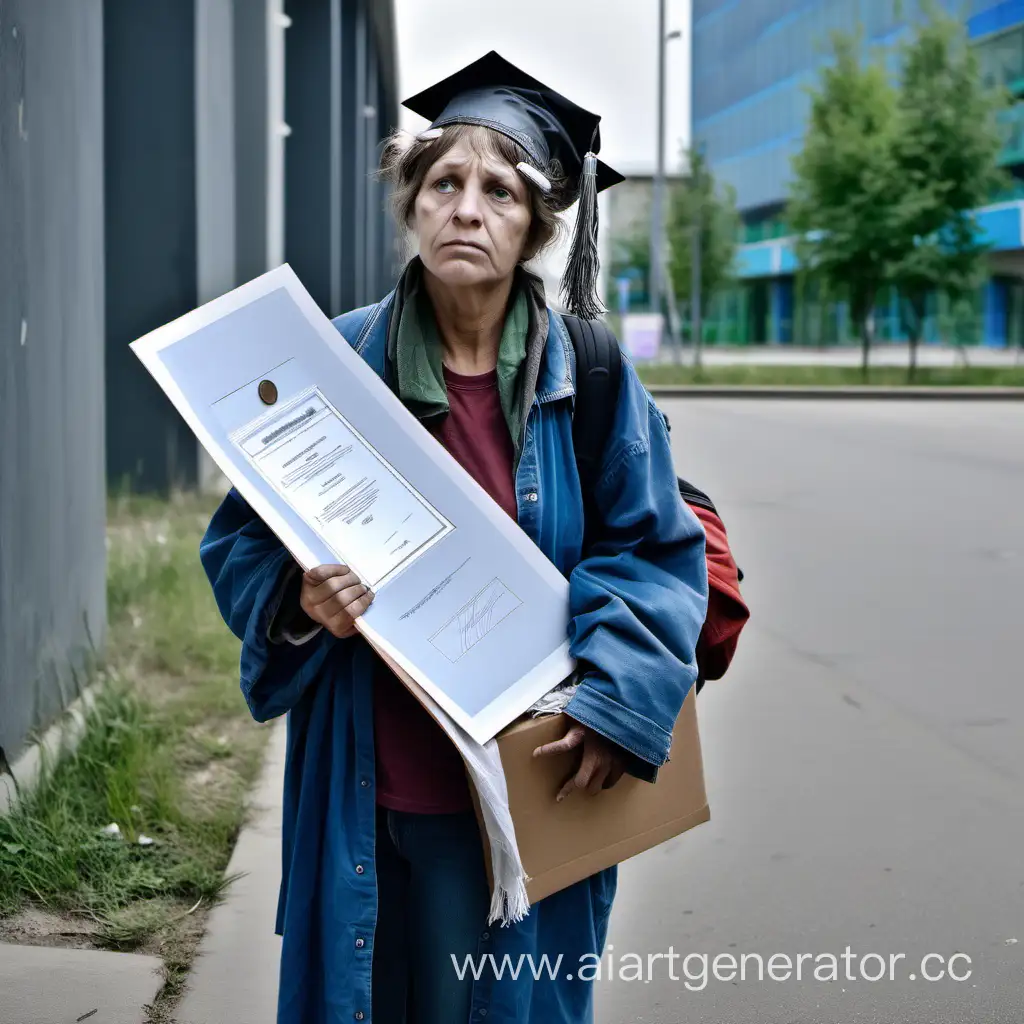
[167,753]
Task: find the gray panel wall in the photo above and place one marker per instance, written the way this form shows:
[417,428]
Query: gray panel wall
[216,178]
[186,85]
[310,203]
[215,148]
[52,491]
[151,230]
[251,73]
[339,102]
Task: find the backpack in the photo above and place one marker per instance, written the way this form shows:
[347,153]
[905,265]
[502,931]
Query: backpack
[598,375]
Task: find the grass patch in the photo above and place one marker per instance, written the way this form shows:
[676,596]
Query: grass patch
[168,752]
[833,376]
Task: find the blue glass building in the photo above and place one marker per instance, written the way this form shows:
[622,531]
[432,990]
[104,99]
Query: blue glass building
[752,63]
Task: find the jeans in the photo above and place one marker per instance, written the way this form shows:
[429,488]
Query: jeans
[433,899]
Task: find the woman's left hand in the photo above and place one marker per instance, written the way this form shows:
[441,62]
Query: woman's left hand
[601,764]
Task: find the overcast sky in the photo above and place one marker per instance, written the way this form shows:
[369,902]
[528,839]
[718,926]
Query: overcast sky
[602,54]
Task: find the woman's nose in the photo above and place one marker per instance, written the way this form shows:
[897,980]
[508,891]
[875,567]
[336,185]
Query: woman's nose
[468,209]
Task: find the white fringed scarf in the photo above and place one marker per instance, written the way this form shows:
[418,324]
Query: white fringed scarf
[509,900]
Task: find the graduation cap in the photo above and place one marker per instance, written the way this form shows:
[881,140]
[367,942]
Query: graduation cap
[495,94]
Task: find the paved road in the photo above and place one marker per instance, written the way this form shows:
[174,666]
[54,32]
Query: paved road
[865,757]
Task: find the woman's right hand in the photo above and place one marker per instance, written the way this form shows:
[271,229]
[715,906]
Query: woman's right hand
[332,596]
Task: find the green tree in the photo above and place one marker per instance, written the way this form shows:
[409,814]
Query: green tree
[846,196]
[946,145]
[698,199]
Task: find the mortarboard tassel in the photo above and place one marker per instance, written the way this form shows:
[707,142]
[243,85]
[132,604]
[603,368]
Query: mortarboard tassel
[579,282]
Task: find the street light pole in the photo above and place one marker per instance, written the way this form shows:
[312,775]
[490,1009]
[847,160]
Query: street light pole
[657,241]
[657,193]
[696,329]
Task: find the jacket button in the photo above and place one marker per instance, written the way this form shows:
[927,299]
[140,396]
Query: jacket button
[360,943]
[359,869]
[532,496]
[485,936]
[358,1015]
[364,783]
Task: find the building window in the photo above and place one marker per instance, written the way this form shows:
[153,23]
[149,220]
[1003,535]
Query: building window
[1002,60]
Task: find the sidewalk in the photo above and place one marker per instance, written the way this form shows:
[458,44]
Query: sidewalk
[44,985]
[234,978]
[836,392]
[881,355]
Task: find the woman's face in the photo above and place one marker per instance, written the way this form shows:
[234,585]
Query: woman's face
[472,217]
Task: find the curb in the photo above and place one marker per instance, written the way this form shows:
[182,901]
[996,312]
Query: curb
[66,731]
[872,393]
[234,977]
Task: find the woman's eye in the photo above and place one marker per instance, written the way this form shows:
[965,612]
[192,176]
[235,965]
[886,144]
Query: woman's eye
[503,195]
[445,186]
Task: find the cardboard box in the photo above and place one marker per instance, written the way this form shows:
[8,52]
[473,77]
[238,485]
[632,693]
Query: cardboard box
[560,843]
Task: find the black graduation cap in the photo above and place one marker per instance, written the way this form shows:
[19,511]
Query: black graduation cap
[496,94]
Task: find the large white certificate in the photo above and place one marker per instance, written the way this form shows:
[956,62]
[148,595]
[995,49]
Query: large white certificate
[336,466]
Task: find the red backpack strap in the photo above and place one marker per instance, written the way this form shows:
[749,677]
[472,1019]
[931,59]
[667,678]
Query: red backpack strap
[727,611]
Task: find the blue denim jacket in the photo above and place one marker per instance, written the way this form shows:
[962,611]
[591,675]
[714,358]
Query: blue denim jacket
[637,603]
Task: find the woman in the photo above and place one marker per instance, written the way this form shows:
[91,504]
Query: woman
[384,893]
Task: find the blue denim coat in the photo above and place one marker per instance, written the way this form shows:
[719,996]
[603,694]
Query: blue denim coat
[637,604]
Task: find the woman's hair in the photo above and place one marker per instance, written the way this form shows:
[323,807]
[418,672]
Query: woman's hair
[406,158]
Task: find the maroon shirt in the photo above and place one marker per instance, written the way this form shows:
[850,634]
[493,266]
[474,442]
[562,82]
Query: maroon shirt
[418,767]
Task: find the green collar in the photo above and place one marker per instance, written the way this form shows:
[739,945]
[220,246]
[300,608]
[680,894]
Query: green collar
[417,354]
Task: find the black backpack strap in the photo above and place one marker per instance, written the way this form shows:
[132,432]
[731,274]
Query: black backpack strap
[695,496]
[598,376]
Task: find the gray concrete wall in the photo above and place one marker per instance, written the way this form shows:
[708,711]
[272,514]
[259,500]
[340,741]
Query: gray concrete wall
[52,493]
